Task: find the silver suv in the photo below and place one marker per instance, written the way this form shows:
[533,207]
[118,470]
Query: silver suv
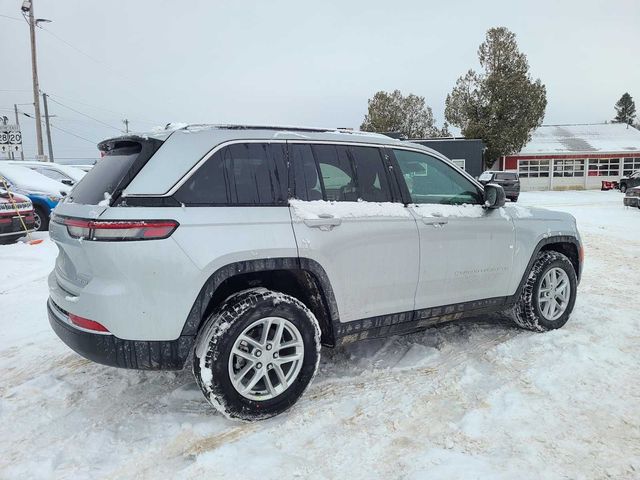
[244,249]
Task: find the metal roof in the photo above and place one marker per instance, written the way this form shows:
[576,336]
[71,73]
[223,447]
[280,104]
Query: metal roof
[585,138]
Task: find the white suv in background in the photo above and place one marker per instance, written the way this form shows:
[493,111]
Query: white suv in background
[247,248]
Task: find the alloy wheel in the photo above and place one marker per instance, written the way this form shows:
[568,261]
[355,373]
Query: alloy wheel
[554,293]
[266,358]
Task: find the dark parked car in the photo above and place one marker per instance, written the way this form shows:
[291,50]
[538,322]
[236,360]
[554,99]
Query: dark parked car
[509,181]
[11,209]
[631,181]
[632,197]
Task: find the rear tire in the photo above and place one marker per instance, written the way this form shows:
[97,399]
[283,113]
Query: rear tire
[536,307]
[248,374]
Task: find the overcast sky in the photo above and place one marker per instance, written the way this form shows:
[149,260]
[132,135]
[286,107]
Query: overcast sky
[294,62]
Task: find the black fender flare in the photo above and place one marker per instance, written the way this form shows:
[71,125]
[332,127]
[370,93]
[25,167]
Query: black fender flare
[196,315]
[541,244]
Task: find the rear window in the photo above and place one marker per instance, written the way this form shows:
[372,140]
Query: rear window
[240,174]
[506,176]
[107,174]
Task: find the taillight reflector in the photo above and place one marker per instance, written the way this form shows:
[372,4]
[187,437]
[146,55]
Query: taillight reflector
[107,230]
[86,323]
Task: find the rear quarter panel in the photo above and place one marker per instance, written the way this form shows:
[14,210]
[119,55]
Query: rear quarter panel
[155,283]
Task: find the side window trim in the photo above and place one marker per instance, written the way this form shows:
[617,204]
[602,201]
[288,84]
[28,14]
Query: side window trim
[393,170]
[402,185]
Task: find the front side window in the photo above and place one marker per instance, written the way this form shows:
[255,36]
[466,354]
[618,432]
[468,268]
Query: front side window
[239,174]
[430,180]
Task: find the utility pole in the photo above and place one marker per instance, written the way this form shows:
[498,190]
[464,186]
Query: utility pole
[15,108]
[27,6]
[126,125]
[46,119]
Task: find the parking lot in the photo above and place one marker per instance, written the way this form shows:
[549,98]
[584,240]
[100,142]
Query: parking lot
[464,400]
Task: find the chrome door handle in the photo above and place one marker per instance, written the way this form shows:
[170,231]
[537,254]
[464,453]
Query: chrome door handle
[436,222]
[325,222]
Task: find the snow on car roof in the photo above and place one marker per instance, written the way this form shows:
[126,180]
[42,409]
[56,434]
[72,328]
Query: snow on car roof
[71,171]
[27,179]
[604,137]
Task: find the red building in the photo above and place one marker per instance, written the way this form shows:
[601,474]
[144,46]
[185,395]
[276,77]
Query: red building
[562,157]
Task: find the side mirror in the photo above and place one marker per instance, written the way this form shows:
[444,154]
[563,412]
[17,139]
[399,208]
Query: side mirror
[67,181]
[494,196]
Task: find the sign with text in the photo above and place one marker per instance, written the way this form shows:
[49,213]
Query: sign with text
[10,139]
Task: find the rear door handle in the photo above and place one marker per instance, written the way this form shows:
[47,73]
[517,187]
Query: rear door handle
[325,222]
[436,222]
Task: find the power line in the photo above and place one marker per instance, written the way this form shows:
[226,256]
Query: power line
[85,115]
[10,18]
[63,130]
[59,38]
[93,142]
[120,114]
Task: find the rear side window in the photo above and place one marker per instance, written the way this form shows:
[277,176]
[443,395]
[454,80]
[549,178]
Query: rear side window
[107,174]
[373,184]
[337,173]
[306,185]
[239,174]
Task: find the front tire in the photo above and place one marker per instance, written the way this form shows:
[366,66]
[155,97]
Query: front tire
[257,354]
[548,296]
[623,188]
[41,219]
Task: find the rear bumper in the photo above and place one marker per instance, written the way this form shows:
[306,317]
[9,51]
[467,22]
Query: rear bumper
[11,225]
[116,352]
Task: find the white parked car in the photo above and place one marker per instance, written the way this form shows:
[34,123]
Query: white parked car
[64,174]
[247,248]
[43,192]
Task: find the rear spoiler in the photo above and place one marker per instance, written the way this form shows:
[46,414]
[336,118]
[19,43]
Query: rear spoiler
[146,147]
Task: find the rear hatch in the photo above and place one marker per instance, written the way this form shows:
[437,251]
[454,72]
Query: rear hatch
[122,159]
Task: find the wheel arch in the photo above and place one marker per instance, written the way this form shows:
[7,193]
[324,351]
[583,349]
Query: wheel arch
[302,278]
[566,244]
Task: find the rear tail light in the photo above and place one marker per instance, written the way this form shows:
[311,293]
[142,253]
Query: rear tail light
[118,230]
[87,324]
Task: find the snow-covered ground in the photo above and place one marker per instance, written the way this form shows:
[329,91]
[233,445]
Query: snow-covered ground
[465,400]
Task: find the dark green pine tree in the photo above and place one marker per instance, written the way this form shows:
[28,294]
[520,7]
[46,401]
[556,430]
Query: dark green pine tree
[625,110]
[501,104]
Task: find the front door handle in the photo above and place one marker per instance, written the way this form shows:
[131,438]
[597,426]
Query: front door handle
[324,222]
[436,222]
